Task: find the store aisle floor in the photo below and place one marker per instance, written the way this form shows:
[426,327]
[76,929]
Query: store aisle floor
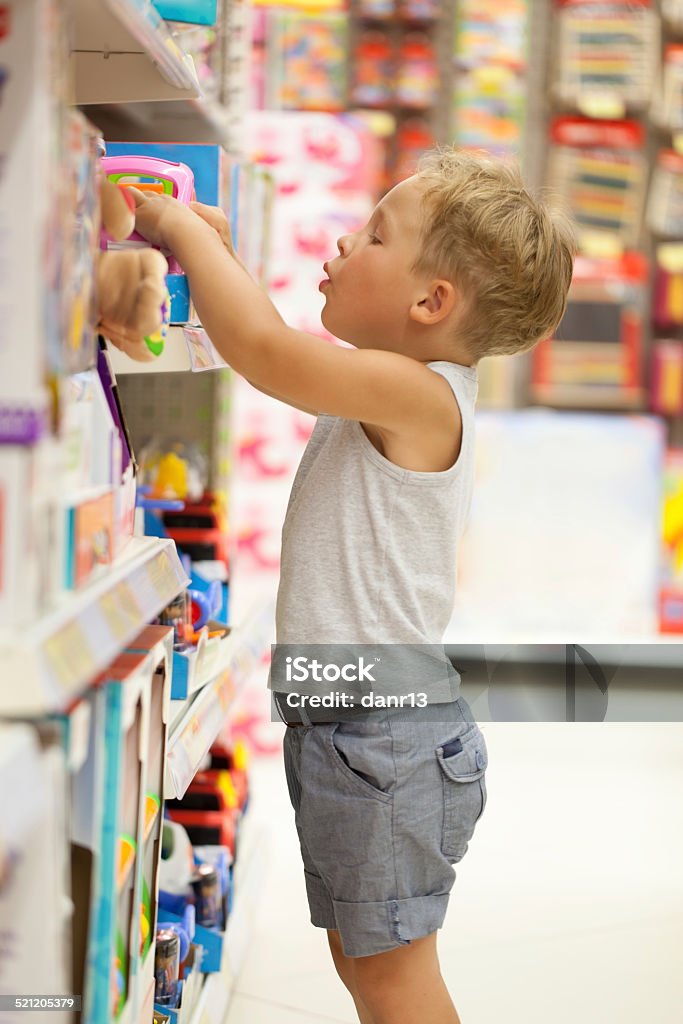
[568,907]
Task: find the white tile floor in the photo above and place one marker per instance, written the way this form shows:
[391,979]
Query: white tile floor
[567,908]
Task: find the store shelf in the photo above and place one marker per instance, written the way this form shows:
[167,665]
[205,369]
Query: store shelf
[53,660]
[185,348]
[123,52]
[135,80]
[183,119]
[590,397]
[192,670]
[659,652]
[152,811]
[126,861]
[214,1001]
[193,731]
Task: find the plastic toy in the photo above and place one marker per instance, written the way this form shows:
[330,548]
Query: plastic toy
[148,173]
[119,979]
[177,863]
[155,341]
[666,383]
[607,54]
[204,604]
[173,470]
[166,966]
[200,529]
[130,286]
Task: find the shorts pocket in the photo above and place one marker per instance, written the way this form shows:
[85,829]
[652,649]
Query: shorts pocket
[352,756]
[463,762]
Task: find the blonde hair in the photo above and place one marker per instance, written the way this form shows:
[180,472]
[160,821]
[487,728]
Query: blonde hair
[509,254]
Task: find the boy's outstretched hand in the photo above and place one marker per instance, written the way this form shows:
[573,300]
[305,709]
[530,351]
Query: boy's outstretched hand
[215,218]
[156,216]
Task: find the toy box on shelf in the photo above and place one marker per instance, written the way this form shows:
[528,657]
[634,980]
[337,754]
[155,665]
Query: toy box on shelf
[119,973]
[34,906]
[32,531]
[213,177]
[595,357]
[37,212]
[607,55]
[671,591]
[98,482]
[195,12]
[599,167]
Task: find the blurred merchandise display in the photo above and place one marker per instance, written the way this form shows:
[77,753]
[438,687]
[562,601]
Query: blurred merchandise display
[595,357]
[490,65]
[600,169]
[306,60]
[607,55]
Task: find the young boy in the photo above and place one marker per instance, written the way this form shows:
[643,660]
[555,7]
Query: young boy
[455,263]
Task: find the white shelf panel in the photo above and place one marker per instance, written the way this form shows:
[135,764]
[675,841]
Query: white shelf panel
[186,348]
[123,52]
[53,660]
[193,732]
[181,118]
[134,80]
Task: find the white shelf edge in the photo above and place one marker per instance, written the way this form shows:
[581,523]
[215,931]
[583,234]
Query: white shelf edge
[174,359]
[196,729]
[58,656]
[187,348]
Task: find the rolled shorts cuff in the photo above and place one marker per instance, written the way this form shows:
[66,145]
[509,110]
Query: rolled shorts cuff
[369,928]
[319,902]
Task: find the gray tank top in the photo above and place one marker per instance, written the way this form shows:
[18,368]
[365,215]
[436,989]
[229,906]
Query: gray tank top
[369,550]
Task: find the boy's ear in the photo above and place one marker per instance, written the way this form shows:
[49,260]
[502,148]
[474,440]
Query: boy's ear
[435,303]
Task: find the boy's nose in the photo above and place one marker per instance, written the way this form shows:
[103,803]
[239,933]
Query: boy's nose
[343,244]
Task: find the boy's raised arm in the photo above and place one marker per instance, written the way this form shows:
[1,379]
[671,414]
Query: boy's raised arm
[387,389]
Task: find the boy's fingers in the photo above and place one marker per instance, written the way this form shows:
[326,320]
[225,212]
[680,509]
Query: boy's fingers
[138,196]
[216,219]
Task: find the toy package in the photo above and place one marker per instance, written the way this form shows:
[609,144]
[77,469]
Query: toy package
[166,177]
[417,75]
[667,106]
[665,199]
[307,59]
[667,304]
[600,168]
[489,98]
[607,55]
[666,381]
[376,10]
[413,138]
[671,590]
[373,70]
[595,356]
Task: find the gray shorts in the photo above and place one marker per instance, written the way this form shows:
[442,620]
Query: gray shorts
[384,807]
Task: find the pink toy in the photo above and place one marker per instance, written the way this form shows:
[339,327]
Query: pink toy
[150,174]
